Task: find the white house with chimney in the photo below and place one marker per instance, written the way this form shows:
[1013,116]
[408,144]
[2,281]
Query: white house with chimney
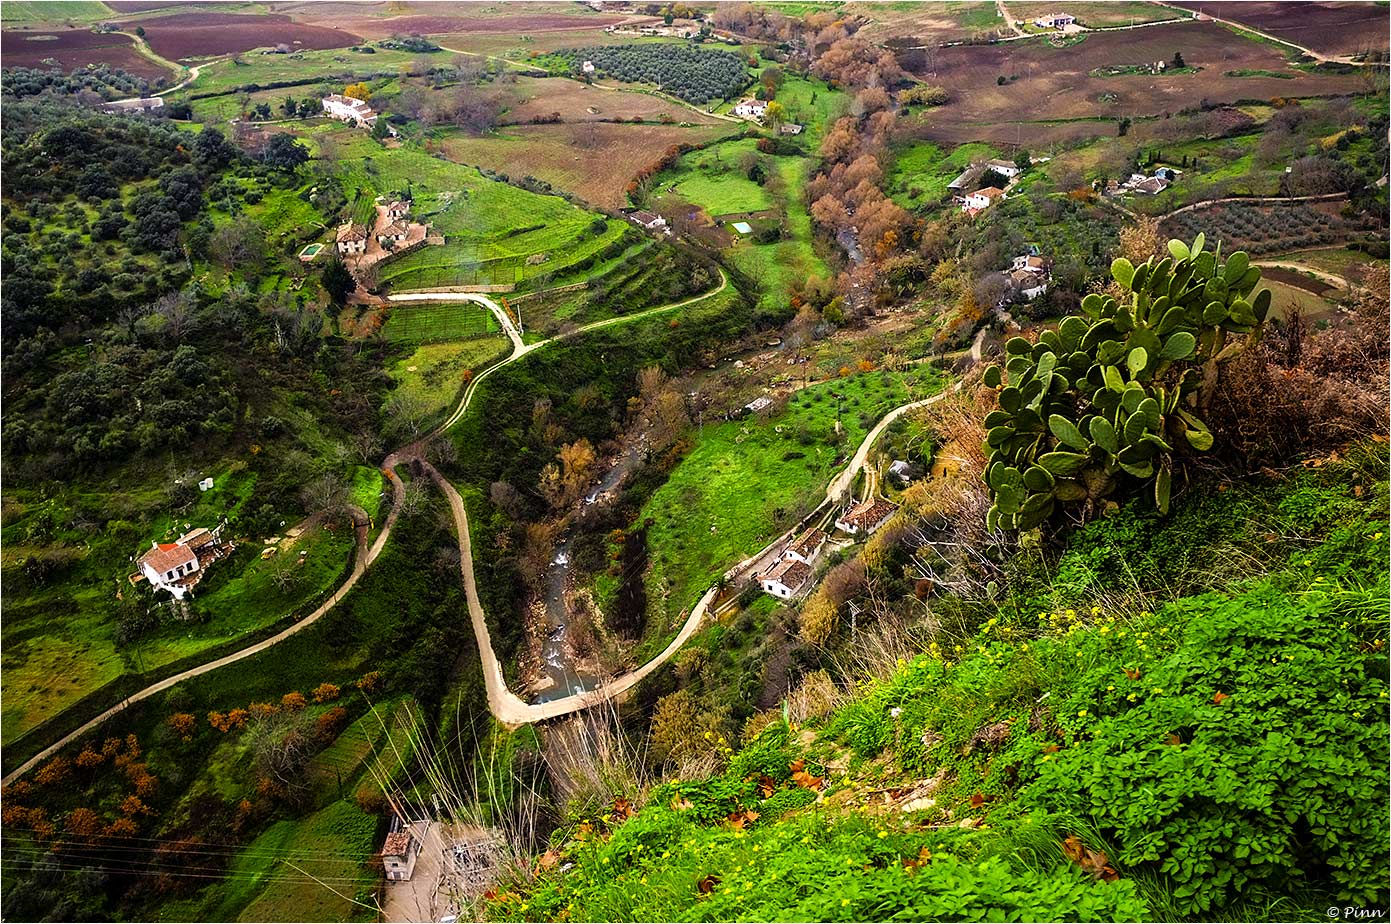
[177,566]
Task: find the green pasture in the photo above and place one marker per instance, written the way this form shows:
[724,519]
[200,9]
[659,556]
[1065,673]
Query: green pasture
[921,171]
[780,265]
[494,233]
[433,376]
[434,323]
[333,67]
[745,481]
[271,879]
[25,11]
[712,179]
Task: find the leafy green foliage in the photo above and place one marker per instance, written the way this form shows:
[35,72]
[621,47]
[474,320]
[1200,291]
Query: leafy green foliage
[1113,393]
[1251,754]
[681,859]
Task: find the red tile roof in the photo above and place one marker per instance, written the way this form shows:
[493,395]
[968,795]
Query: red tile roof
[789,572]
[806,544]
[168,556]
[869,514]
[397,844]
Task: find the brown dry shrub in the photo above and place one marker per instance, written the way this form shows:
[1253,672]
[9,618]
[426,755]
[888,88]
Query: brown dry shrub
[845,581]
[1299,391]
[817,619]
[959,422]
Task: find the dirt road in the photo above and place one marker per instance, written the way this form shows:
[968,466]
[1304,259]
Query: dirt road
[363,560]
[505,705]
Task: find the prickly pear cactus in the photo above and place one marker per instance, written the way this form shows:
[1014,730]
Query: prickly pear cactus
[1113,396]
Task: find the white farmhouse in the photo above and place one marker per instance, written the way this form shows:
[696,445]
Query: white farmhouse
[866,516]
[751,109]
[785,578]
[352,238]
[394,233]
[982,199]
[1005,168]
[134,106]
[587,67]
[806,547]
[177,566]
[347,109]
[1055,21]
[648,220]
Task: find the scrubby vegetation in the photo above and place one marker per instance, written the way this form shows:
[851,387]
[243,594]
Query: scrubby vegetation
[984,773]
[104,81]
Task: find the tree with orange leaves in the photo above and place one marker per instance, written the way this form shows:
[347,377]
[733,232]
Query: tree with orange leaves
[122,827]
[84,823]
[54,772]
[132,805]
[293,701]
[184,724]
[325,692]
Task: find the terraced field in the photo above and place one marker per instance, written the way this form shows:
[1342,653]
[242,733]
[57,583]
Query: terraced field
[436,323]
[494,233]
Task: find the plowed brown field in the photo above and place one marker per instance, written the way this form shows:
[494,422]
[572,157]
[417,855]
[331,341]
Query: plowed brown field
[76,48]
[182,36]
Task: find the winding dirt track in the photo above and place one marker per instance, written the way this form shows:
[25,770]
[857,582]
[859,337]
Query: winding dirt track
[505,705]
[508,708]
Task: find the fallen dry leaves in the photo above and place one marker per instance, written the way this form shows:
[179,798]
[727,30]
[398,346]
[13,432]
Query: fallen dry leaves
[802,778]
[1091,861]
[741,819]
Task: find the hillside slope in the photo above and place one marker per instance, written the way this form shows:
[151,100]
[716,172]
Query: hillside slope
[1217,756]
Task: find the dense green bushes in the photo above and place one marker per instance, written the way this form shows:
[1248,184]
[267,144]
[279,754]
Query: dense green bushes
[109,82]
[1251,756]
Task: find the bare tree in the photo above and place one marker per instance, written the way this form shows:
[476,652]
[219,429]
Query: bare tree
[325,492]
[282,743]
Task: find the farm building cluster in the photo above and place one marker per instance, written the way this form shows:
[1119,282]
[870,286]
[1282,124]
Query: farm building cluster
[1153,185]
[794,566]
[790,574]
[179,565]
[1028,277]
[973,203]
[391,233]
[347,109]
[756,110]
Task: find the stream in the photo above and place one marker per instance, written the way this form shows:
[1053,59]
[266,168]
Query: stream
[558,667]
